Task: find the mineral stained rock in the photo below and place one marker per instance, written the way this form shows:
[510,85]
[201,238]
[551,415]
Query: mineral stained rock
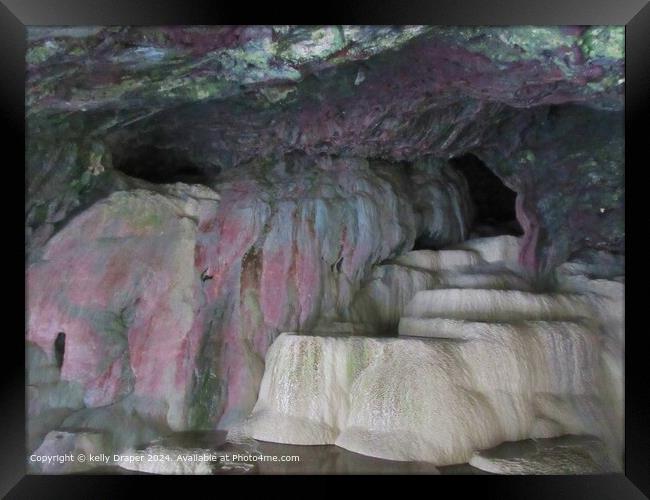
[170,296]
[195,191]
[219,97]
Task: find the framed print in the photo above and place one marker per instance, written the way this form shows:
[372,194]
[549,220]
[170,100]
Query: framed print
[387,241]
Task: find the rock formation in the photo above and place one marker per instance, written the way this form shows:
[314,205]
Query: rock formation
[194,192]
[169,296]
[496,365]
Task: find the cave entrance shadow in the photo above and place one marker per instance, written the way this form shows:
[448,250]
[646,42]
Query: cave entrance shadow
[160,166]
[494,202]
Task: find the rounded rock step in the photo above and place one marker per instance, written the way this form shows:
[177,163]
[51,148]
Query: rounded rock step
[562,455]
[444,328]
[433,260]
[497,305]
[494,248]
[494,281]
[337,328]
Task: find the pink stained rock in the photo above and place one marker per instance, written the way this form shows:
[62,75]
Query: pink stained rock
[126,295]
[169,298]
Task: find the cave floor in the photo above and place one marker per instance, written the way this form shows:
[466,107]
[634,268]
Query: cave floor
[325,459]
[238,458]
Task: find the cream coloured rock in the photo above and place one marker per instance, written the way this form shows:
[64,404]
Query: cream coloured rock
[460,329]
[607,298]
[487,276]
[361,393]
[565,455]
[495,248]
[484,263]
[383,299]
[497,305]
[438,260]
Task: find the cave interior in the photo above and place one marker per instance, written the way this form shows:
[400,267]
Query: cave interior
[404,243]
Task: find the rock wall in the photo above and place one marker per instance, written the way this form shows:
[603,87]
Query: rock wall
[169,295]
[311,160]
[571,193]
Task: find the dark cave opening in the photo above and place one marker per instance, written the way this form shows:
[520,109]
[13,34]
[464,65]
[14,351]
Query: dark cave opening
[162,166]
[494,202]
[59,349]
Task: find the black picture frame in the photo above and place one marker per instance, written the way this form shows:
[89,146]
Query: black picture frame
[15,15]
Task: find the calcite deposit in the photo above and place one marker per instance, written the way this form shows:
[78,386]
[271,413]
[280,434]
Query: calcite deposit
[496,365]
[169,296]
[275,230]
